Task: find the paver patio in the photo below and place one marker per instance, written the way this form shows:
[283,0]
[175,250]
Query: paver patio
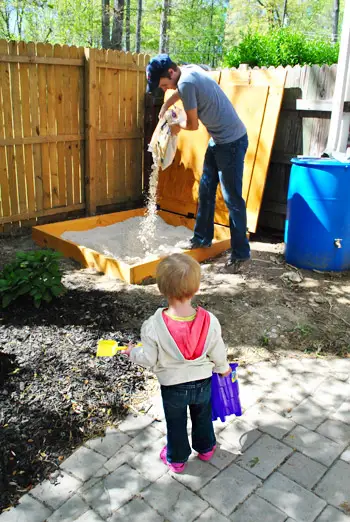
[286,459]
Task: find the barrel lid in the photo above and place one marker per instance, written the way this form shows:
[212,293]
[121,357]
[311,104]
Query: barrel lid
[319,162]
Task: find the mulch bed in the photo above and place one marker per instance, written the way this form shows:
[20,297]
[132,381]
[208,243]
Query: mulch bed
[56,393]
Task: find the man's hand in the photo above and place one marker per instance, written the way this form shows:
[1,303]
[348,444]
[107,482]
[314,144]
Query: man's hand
[226,373]
[175,129]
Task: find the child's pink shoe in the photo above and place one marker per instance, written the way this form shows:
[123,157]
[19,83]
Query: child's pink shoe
[208,455]
[176,467]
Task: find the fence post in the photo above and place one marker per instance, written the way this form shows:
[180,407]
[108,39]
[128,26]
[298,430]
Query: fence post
[90,130]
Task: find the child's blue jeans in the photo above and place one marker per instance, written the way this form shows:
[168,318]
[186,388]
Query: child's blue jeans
[176,399]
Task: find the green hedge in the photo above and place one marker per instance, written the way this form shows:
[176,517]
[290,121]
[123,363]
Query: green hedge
[280,47]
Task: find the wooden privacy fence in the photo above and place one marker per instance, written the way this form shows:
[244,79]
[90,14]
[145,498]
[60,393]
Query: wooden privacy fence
[71,129]
[303,128]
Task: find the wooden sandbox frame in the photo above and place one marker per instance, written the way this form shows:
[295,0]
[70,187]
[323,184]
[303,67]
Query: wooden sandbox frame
[49,236]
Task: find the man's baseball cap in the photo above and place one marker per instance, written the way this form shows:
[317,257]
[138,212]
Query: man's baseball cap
[156,67]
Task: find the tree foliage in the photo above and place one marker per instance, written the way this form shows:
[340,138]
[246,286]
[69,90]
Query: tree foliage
[200,31]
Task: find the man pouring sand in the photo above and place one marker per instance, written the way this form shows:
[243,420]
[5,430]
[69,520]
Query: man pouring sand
[204,100]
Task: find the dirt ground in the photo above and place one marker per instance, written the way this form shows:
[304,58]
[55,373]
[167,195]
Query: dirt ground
[58,394]
[267,311]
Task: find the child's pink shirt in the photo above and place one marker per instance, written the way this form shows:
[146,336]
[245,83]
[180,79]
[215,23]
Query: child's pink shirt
[189,333]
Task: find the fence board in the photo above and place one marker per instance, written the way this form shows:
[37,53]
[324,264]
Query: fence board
[60,119]
[4,181]
[26,127]
[90,115]
[9,130]
[17,127]
[109,94]
[76,98]
[298,132]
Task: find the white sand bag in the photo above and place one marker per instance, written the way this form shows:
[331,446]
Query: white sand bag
[163,145]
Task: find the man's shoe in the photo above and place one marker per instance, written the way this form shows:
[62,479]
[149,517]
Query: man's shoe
[198,244]
[191,244]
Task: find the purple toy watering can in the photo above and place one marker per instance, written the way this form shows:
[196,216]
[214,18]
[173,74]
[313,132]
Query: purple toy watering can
[225,395]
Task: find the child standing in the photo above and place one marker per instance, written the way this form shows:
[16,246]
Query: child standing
[183,346]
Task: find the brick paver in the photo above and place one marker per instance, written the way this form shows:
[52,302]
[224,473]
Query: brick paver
[287,459]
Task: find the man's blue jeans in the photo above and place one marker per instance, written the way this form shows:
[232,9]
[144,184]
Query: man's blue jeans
[223,163]
[176,399]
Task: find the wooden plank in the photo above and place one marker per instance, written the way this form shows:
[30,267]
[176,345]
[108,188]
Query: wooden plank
[40,60]
[136,146]
[41,213]
[26,123]
[130,107]
[43,188]
[90,118]
[81,122]
[17,128]
[41,139]
[318,105]
[114,178]
[71,123]
[249,102]
[267,135]
[237,77]
[109,94]
[103,125]
[68,147]
[60,103]
[118,130]
[68,162]
[126,135]
[9,130]
[102,117]
[52,183]
[34,95]
[5,209]
[119,66]
[4,174]
[74,94]
[141,124]
[122,125]
[138,123]
[269,77]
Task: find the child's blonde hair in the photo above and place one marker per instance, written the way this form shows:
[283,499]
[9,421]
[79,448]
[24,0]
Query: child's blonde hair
[178,277]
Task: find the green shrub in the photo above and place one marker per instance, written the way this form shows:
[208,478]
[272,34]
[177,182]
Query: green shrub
[36,274]
[281,47]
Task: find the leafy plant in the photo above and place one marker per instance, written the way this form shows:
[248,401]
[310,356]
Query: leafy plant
[281,47]
[36,274]
[264,340]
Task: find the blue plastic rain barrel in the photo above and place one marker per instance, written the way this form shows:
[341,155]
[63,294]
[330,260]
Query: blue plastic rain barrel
[317,233]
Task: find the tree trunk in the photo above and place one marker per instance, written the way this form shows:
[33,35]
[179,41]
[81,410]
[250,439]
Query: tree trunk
[117,30]
[127,25]
[106,38]
[335,20]
[164,36]
[138,26]
[284,14]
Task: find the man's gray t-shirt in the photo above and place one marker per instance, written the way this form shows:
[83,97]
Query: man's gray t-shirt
[199,91]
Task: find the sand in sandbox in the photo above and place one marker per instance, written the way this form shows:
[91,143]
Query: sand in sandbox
[120,241]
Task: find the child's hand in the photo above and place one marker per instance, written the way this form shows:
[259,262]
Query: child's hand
[129,348]
[226,373]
